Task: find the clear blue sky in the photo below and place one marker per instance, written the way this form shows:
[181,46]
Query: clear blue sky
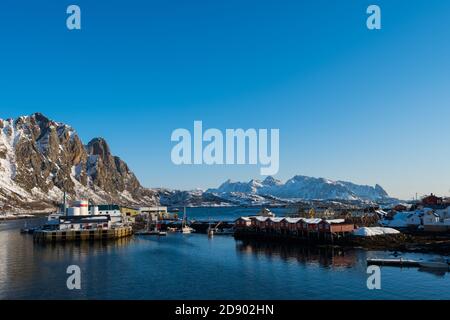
[353,104]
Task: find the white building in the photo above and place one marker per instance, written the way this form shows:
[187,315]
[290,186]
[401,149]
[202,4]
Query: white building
[430,217]
[160,212]
[414,219]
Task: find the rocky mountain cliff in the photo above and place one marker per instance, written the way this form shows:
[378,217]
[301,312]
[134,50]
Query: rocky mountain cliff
[40,158]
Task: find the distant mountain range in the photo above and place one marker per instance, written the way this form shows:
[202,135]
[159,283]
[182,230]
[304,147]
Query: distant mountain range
[303,188]
[41,158]
[271,191]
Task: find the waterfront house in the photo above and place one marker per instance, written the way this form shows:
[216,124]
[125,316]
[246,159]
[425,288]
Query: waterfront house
[243,222]
[430,217]
[311,225]
[284,224]
[292,224]
[432,222]
[335,226]
[258,222]
[274,224]
[435,221]
[300,225]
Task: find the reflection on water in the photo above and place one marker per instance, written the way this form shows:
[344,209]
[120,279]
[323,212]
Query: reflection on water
[27,267]
[323,256]
[197,267]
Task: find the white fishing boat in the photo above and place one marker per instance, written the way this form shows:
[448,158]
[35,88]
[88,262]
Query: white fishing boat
[184,227]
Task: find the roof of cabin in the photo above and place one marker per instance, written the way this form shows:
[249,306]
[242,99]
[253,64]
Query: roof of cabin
[312,220]
[259,218]
[293,220]
[335,221]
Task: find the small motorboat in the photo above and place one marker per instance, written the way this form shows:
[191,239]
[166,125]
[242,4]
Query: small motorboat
[187,230]
[184,225]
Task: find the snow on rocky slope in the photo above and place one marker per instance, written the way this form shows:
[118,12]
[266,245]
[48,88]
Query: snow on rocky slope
[305,188]
[41,158]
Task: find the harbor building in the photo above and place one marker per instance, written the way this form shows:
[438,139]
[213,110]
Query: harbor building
[130,212]
[160,212]
[83,222]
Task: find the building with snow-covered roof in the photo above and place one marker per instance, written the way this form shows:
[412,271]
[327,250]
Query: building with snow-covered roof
[243,222]
[274,224]
[338,226]
[432,200]
[430,217]
[443,213]
[316,229]
[432,222]
[414,219]
[290,224]
[258,222]
[266,213]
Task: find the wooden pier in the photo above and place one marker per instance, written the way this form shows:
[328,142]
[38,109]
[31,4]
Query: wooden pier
[393,262]
[81,235]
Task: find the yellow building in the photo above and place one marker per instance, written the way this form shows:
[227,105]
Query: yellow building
[129,212]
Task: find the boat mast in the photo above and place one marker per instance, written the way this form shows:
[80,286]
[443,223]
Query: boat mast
[64,204]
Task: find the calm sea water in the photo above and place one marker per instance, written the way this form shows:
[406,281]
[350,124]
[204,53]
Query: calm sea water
[196,267]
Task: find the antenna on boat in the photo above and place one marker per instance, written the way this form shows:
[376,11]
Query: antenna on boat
[64,204]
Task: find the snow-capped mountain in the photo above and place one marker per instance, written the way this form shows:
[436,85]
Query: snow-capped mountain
[304,188]
[41,158]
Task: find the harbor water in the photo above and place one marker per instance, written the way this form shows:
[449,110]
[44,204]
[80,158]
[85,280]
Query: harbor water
[193,266]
